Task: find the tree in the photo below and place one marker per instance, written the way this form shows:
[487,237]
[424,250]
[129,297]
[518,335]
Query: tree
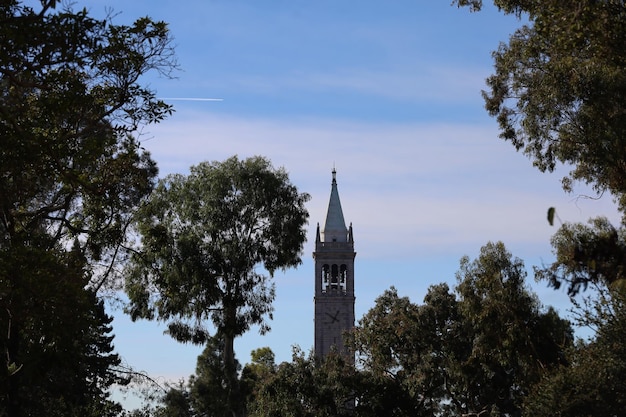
[206,393]
[176,404]
[411,354]
[307,387]
[593,382]
[401,366]
[587,254]
[203,238]
[54,337]
[559,88]
[513,342]
[209,386]
[558,93]
[255,373]
[478,352]
[71,174]
[70,103]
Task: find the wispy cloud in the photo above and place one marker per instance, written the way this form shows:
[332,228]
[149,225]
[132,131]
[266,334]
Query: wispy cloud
[395,149]
[425,187]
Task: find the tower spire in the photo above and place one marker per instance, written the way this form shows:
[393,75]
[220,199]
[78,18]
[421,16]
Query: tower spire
[335,227]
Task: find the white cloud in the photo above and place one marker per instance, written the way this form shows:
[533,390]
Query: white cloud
[304,144]
[428,188]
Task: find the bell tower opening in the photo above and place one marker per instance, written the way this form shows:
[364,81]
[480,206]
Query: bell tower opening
[334,278]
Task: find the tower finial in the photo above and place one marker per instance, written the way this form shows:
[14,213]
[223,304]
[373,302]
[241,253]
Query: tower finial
[334,174]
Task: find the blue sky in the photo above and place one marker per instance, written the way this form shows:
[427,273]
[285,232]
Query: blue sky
[389,94]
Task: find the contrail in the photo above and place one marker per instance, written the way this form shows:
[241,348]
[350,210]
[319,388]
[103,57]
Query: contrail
[191,99]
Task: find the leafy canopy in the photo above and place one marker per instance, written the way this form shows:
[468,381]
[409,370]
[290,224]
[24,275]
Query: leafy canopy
[559,88]
[476,351]
[203,237]
[71,174]
[54,336]
[593,381]
[71,103]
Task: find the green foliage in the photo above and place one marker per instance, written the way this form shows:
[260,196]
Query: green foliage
[516,7]
[209,387]
[203,239]
[512,340]
[254,374]
[559,88]
[176,404]
[263,359]
[71,175]
[478,352]
[305,387]
[594,253]
[594,382]
[403,369]
[54,335]
[558,94]
[69,103]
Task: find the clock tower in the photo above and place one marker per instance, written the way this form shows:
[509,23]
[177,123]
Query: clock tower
[334,278]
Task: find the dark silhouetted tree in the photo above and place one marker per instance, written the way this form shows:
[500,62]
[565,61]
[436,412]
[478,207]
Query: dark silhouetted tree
[54,337]
[594,382]
[71,174]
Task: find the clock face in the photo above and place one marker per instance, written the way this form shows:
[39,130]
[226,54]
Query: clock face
[334,318]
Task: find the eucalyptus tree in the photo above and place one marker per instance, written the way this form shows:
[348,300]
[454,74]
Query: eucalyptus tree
[401,353]
[593,382]
[559,90]
[593,253]
[476,351]
[205,240]
[513,340]
[71,173]
[559,94]
[307,387]
[71,104]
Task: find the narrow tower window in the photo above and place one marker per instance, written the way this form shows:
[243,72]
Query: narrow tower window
[334,277]
[325,277]
[343,277]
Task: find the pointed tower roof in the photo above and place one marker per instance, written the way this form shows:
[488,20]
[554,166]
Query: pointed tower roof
[335,227]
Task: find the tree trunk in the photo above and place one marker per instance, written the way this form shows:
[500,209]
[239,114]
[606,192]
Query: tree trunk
[11,389]
[235,402]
